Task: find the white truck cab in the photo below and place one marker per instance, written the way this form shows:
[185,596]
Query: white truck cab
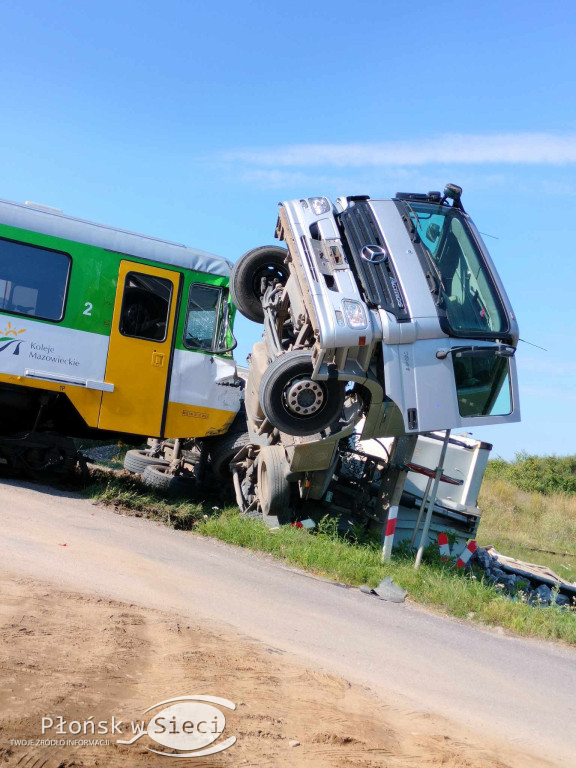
[395,300]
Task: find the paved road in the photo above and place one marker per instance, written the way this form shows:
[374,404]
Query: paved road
[521,691]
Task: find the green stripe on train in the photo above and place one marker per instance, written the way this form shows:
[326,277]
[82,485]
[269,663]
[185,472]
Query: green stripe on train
[93,281]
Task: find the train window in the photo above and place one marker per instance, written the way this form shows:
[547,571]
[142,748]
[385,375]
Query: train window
[202,317]
[33,280]
[145,306]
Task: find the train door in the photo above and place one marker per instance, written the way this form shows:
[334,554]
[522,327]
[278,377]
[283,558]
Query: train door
[140,351]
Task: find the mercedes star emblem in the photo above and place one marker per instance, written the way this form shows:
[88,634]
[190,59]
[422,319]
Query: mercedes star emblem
[375,254]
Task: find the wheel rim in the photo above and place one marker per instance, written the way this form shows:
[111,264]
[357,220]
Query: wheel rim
[304,397]
[269,272]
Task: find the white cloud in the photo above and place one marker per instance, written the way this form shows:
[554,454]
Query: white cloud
[337,181]
[317,178]
[503,148]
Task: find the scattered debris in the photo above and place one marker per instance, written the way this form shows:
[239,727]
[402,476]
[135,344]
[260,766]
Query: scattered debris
[101,452]
[308,523]
[391,592]
[293,743]
[386,590]
[536,584]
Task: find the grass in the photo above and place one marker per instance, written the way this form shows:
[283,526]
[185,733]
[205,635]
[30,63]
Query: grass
[437,585]
[129,495]
[537,527]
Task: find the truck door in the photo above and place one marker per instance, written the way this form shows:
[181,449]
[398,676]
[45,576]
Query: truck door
[140,351]
[452,392]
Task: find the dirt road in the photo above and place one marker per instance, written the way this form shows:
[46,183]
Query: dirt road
[295,650]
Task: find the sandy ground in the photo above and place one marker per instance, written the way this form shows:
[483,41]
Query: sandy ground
[77,656]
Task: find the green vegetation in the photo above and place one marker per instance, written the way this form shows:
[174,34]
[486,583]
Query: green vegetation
[129,495]
[529,525]
[356,560]
[541,474]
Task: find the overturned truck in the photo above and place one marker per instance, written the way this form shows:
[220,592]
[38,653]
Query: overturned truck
[382,319]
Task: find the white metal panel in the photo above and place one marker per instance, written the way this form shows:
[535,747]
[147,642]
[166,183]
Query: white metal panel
[58,351]
[204,380]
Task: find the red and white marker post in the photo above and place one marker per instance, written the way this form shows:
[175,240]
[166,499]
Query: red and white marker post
[469,550]
[444,546]
[389,533]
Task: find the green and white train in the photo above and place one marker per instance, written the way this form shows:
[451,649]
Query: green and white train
[106,331]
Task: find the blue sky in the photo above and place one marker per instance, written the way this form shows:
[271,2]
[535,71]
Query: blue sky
[191,121]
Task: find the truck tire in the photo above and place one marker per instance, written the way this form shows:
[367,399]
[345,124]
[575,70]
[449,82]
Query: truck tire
[295,403]
[156,476]
[266,262]
[136,461]
[273,487]
[223,450]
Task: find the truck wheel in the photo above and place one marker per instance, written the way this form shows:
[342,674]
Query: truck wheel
[157,476]
[273,487]
[250,275]
[295,403]
[223,450]
[136,461]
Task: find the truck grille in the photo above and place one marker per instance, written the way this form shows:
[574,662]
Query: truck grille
[379,281]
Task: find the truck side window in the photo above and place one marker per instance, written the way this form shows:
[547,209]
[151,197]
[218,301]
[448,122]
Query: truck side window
[33,280]
[145,306]
[202,316]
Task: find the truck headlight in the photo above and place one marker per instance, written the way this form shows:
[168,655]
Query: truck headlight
[355,314]
[319,205]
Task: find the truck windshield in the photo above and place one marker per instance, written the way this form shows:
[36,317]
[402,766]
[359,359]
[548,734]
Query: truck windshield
[466,291]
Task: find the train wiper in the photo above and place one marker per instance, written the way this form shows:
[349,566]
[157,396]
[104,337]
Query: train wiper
[498,350]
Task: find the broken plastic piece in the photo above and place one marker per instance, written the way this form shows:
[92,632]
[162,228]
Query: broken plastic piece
[391,592]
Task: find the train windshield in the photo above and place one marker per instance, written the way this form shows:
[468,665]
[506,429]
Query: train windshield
[462,279]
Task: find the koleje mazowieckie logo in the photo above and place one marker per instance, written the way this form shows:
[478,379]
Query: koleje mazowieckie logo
[189,725]
[9,339]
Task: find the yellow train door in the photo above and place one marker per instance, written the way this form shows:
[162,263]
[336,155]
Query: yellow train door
[140,351]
